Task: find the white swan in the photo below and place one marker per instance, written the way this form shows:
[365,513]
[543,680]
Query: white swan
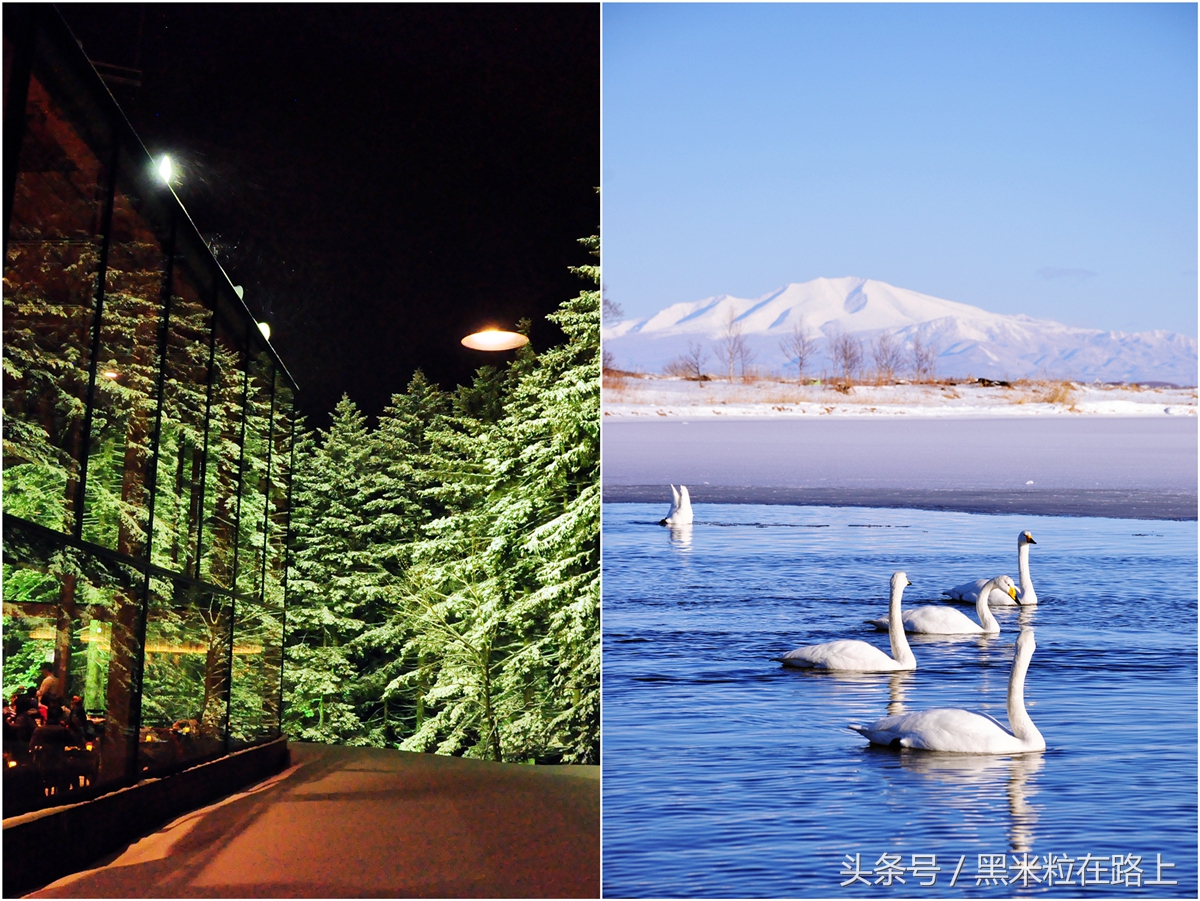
[933,620]
[681,508]
[960,731]
[853,656]
[1026,596]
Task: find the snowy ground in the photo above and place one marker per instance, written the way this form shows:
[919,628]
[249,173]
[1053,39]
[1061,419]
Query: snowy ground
[634,396]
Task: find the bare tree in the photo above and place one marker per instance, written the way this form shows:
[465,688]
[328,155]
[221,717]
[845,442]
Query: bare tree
[731,348]
[746,356]
[888,355]
[688,365]
[923,359]
[799,346]
[846,353]
[612,311]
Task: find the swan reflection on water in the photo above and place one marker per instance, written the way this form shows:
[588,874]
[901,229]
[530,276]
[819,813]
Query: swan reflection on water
[680,536]
[976,782]
[862,688]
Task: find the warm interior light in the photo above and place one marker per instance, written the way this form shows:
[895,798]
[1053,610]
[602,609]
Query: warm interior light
[164,169]
[494,339]
[265,329]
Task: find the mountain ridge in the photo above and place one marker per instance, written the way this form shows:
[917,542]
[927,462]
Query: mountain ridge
[971,341]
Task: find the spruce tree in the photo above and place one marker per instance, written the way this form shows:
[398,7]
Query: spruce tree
[504,604]
[397,506]
[332,561]
[444,593]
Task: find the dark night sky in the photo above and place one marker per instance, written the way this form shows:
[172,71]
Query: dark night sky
[381,179]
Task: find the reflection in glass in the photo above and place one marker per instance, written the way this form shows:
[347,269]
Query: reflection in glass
[50,270]
[116,500]
[186,676]
[76,622]
[181,440]
[147,451]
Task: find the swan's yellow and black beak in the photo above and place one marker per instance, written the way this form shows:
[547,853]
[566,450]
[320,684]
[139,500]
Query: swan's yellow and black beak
[1012,593]
[1029,538]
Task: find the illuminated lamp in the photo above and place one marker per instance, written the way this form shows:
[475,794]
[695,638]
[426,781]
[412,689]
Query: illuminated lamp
[165,170]
[265,329]
[494,339]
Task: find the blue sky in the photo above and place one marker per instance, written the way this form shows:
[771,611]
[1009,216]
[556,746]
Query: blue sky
[1024,158]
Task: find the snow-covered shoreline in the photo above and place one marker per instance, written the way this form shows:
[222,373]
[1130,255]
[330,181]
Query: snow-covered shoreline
[628,396]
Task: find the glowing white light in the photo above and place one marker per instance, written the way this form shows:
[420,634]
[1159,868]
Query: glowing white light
[164,169]
[494,339]
[111,374]
[265,329]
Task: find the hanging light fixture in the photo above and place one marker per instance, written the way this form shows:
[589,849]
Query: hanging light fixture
[494,339]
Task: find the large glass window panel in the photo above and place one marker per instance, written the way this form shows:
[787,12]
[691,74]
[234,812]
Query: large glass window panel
[222,458]
[116,506]
[257,652]
[78,617]
[179,485]
[257,462]
[50,279]
[281,478]
[186,677]
[170,421]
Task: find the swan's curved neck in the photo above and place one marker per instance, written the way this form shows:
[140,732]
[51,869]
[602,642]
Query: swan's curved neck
[983,609]
[901,652]
[1018,720]
[1028,596]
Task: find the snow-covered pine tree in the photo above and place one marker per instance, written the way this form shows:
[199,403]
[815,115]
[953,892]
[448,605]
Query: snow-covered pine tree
[397,508]
[503,601]
[446,604]
[332,571]
[549,521]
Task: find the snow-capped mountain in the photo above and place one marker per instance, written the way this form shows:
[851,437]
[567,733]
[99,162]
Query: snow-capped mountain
[970,341]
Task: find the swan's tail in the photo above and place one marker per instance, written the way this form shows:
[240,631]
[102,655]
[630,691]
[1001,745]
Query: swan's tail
[861,730]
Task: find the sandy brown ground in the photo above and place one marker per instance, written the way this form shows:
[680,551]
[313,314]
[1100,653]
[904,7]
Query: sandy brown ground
[364,822]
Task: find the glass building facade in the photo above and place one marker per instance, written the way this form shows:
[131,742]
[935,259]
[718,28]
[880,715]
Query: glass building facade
[148,429]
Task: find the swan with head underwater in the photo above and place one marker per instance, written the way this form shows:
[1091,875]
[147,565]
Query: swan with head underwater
[681,508]
[1026,596]
[853,656]
[933,620]
[957,731]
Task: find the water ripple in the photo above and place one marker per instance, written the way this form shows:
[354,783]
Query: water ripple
[728,775]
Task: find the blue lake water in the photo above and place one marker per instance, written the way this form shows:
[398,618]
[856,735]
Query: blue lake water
[727,775]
